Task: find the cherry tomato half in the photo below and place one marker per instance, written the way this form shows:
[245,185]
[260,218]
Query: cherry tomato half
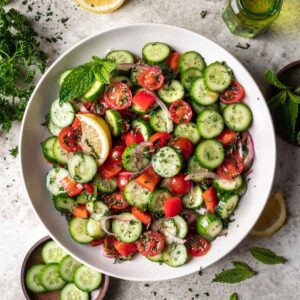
[108,246]
[150,78]
[116,153]
[235,93]
[97,108]
[69,139]
[89,187]
[115,201]
[197,245]
[118,95]
[173,61]
[180,112]
[150,243]
[231,167]
[161,139]
[123,179]
[133,137]
[179,185]
[185,146]
[227,137]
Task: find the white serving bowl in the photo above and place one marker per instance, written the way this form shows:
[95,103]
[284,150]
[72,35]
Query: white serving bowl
[132,38]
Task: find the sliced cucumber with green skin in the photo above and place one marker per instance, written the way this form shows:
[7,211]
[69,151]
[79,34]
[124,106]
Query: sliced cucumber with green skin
[61,155]
[237,117]
[156,201]
[87,279]
[82,167]
[166,226]
[181,225]
[71,292]
[209,226]
[191,59]
[67,268]
[47,148]
[243,189]
[231,185]
[200,94]
[121,56]
[62,115]
[209,123]
[175,255]
[52,253]
[143,127]
[222,106]
[155,53]
[53,129]
[167,162]
[114,120]
[32,279]
[210,154]
[171,92]
[193,199]
[133,77]
[227,205]
[194,168]
[136,195]
[164,184]
[217,76]
[188,76]
[156,258]
[159,121]
[122,79]
[136,157]
[105,186]
[50,278]
[85,197]
[94,91]
[97,209]
[198,107]
[78,231]
[64,203]
[127,231]
[94,229]
[189,131]
[64,75]
[53,180]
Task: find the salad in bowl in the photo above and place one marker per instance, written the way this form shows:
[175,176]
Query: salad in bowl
[150,154]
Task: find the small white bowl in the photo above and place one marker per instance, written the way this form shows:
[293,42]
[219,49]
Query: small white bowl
[132,38]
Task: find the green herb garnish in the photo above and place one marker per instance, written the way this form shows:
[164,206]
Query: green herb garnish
[14,151]
[266,256]
[233,296]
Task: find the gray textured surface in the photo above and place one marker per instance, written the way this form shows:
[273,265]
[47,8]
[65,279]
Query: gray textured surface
[20,228]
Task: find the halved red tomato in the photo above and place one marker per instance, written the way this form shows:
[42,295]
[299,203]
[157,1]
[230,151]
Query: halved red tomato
[98,108]
[173,61]
[123,179]
[144,99]
[150,78]
[97,242]
[118,95]
[133,137]
[115,201]
[108,246]
[180,112]
[89,187]
[161,139]
[197,245]
[179,185]
[227,137]
[125,249]
[115,154]
[185,146]
[69,139]
[235,93]
[71,187]
[150,243]
[231,167]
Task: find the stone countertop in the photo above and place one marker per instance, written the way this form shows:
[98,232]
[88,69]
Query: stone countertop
[20,228]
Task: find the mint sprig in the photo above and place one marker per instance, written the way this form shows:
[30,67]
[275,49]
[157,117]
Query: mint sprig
[272,79]
[266,256]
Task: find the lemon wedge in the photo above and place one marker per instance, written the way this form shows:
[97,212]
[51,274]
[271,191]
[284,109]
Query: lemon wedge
[96,137]
[272,217]
[100,6]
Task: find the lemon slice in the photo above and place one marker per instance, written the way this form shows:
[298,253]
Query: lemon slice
[96,137]
[272,218]
[100,6]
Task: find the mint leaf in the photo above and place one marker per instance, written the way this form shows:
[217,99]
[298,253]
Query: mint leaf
[294,97]
[289,114]
[103,68]
[297,90]
[233,296]
[278,99]
[241,265]
[267,256]
[272,79]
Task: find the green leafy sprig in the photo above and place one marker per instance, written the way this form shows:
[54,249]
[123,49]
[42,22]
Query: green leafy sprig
[266,256]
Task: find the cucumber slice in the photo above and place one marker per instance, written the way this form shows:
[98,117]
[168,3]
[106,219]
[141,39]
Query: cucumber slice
[64,204]
[217,76]
[210,154]
[72,292]
[52,253]
[105,186]
[243,189]
[127,231]
[67,268]
[181,225]
[121,56]
[136,157]
[194,168]
[32,279]
[191,59]
[156,201]
[50,278]
[201,94]
[171,92]
[114,120]
[53,129]
[188,76]
[209,226]
[175,255]
[85,197]
[224,185]
[78,231]
[164,184]
[53,180]
[198,107]
[143,127]
[193,199]
[47,148]
[64,75]
[189,131]
[237,116]
[155,53]
[159,121]
[209,123]
[136,195]
[167,227]
[133,77]
[87,279]
[227,205]
[97,209]
[156,258]
[82,167]
[122,79]
[167,162]
[61,155]
[94,91]
[94,228]
[62,115]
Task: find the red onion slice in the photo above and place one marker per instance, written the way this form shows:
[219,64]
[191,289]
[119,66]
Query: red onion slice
[251,151]
[173,239]
[190,215]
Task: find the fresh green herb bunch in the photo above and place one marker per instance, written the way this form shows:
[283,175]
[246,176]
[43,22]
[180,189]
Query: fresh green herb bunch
[285,108]
[20,57]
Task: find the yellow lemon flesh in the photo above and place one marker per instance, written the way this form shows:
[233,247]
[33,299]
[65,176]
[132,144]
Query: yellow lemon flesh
[96,137]
[272,218]
[100,6]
